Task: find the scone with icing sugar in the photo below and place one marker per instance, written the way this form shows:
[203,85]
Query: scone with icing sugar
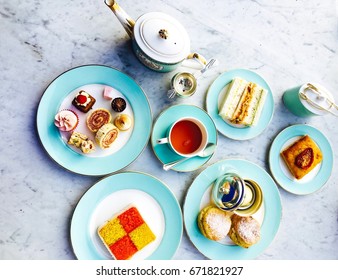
[214,223]
[245,231]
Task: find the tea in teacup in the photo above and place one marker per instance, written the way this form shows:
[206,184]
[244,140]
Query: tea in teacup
[186,137]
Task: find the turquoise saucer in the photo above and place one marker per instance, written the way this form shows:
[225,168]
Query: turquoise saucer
[162,124]
[214,98]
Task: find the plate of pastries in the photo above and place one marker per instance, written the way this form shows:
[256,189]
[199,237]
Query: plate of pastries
[232,234]
[301,159]
[94,120]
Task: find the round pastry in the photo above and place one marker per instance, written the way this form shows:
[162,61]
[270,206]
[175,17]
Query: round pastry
[214,223]
[106,135]
[118,104]
[123,122]
[66,120]
[97,119]
[245,231]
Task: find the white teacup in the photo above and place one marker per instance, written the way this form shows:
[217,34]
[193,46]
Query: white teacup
[186,137]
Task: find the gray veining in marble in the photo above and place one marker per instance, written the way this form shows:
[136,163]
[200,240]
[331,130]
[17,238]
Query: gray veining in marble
[287,42]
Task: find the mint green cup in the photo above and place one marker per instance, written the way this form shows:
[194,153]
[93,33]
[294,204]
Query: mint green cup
[308,100]
[292,102]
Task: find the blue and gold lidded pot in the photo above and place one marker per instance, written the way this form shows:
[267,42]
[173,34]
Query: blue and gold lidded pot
[232,193]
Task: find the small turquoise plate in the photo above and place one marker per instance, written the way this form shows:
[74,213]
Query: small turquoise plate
[57,91]
[161,126]
[272,208]
[145,191]
[213,100]
[313,181]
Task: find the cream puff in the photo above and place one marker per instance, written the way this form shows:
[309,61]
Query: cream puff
[123,122]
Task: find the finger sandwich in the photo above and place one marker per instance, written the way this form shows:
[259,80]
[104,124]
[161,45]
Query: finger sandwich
[243,102]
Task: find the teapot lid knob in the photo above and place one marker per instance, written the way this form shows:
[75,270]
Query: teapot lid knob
[164,34]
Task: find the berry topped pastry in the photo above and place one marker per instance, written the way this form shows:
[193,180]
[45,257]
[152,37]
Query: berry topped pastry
[83,101]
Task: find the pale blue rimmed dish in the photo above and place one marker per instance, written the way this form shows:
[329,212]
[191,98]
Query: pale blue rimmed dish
[163,123]
[61,87]
[324,173]
[213,99]
[82,242]
[272,210]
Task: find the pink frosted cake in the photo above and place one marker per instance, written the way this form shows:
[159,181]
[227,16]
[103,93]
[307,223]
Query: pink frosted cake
[66,120]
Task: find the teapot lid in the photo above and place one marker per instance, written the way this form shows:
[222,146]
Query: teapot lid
[162,37]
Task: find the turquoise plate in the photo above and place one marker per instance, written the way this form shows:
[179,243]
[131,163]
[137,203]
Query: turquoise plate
[56,93]
[162,124]
[317,178]
[213,100]
[145,191]
[272,208]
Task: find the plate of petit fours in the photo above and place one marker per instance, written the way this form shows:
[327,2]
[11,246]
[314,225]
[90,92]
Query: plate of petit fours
[127,216]
[236,233]
[94,120]
[241,104]
[301,159]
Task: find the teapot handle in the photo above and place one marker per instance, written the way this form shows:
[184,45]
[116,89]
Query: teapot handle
[194,57]
[126,21]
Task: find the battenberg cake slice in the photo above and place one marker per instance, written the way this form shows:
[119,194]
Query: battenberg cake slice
[125,234]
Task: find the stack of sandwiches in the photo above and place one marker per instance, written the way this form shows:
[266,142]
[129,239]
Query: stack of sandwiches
[243,102]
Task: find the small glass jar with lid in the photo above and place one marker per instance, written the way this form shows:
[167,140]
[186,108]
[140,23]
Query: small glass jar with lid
[230,192]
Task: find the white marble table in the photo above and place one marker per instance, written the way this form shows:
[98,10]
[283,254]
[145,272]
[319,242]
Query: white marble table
[288,42]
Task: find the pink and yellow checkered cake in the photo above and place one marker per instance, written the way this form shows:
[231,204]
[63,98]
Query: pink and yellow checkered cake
[125,234]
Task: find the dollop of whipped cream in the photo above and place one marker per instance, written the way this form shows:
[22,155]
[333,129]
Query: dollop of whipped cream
[66,120]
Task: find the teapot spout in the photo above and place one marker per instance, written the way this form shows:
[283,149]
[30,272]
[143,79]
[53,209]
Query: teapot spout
[126,21]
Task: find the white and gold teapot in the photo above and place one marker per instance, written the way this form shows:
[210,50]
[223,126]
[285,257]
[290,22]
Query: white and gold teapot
[159,41]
